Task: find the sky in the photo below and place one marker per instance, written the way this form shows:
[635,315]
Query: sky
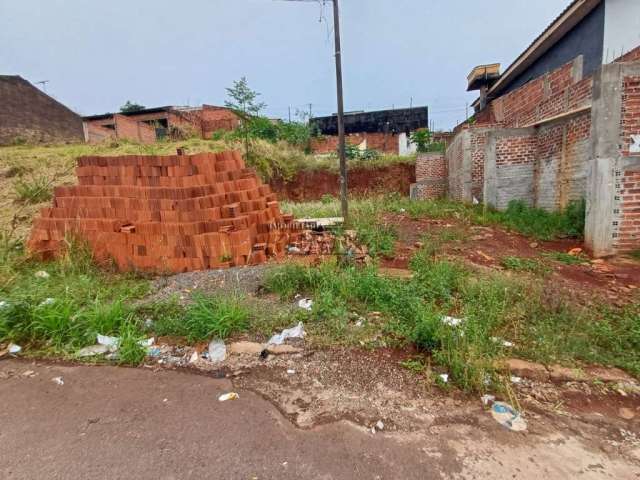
[96,55]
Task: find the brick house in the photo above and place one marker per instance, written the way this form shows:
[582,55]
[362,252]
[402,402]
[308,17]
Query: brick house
[29,114]
[149,124]
[386,130]
[562,123]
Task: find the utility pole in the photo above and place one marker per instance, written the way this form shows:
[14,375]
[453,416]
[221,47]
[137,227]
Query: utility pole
[341,140]
[289,113]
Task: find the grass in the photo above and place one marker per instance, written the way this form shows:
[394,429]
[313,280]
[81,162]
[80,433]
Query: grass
[566,258]
[533,222]
[215,317]
[36,189]
[521,264]
[490,306]
[65,311]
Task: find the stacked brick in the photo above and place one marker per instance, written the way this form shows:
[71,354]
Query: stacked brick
[166,214]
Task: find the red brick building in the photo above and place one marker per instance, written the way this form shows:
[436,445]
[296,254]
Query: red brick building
[561,124]
[29,114]
[149,124]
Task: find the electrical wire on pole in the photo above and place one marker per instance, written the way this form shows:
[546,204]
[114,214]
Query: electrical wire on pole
[342,150]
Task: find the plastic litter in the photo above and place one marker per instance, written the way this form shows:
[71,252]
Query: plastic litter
[452,321]
[291,372]
[4,304]
[515,379]
[504,343]
[294,250]
[508,417]
[195,356]
[58,380]
[146,343]
[93,350]
[487,399]
[228,396]
[305,303]
[48,301]
[41,274]
[14,349]
[295,332]
[380,425]
[112,342]
[444,377]
[217,351]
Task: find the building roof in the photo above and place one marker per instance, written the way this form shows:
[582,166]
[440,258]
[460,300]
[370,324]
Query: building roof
[383,121]
[567,20]
[144,111]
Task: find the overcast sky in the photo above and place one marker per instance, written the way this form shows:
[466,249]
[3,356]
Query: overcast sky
[98,54]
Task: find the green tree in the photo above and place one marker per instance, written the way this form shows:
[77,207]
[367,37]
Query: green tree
[244,102]
[421,139]
[131,107]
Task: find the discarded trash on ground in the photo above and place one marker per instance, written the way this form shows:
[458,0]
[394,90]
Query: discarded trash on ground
[487,399]
[291,372]
[515,379]
[48,301]
[3,304]
[380,425]
[217,351]
[508,417]
[93,350]
[444,377]
[295,332]
[451,321]
[41,274]
[504,343]
[305,303]
[228,396]
[112,342]
[58,380]
[14,349]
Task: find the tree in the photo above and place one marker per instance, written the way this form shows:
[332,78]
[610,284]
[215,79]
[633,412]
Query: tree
[244,102]
[131,107]
[421,139]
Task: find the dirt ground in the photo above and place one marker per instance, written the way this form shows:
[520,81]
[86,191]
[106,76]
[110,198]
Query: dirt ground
[615,279]
[108,422]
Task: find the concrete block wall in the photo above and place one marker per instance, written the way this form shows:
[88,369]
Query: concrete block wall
[166,214]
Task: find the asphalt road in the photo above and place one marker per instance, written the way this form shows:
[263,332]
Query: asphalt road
[121,423]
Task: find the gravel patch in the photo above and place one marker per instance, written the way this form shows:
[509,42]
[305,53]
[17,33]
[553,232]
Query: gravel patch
[238,280]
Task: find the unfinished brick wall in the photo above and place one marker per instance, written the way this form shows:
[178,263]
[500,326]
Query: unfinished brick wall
[431,177]
[630,56]
[382,142]
[557,106]
[130,129]
[26,113]
[95,133]
[458,171]
[214,119]
[562,162]
[630,125]
[515,155]
[165,214]
[626,231]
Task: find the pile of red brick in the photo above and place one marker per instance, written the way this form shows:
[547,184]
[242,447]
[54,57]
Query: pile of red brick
[166,214]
